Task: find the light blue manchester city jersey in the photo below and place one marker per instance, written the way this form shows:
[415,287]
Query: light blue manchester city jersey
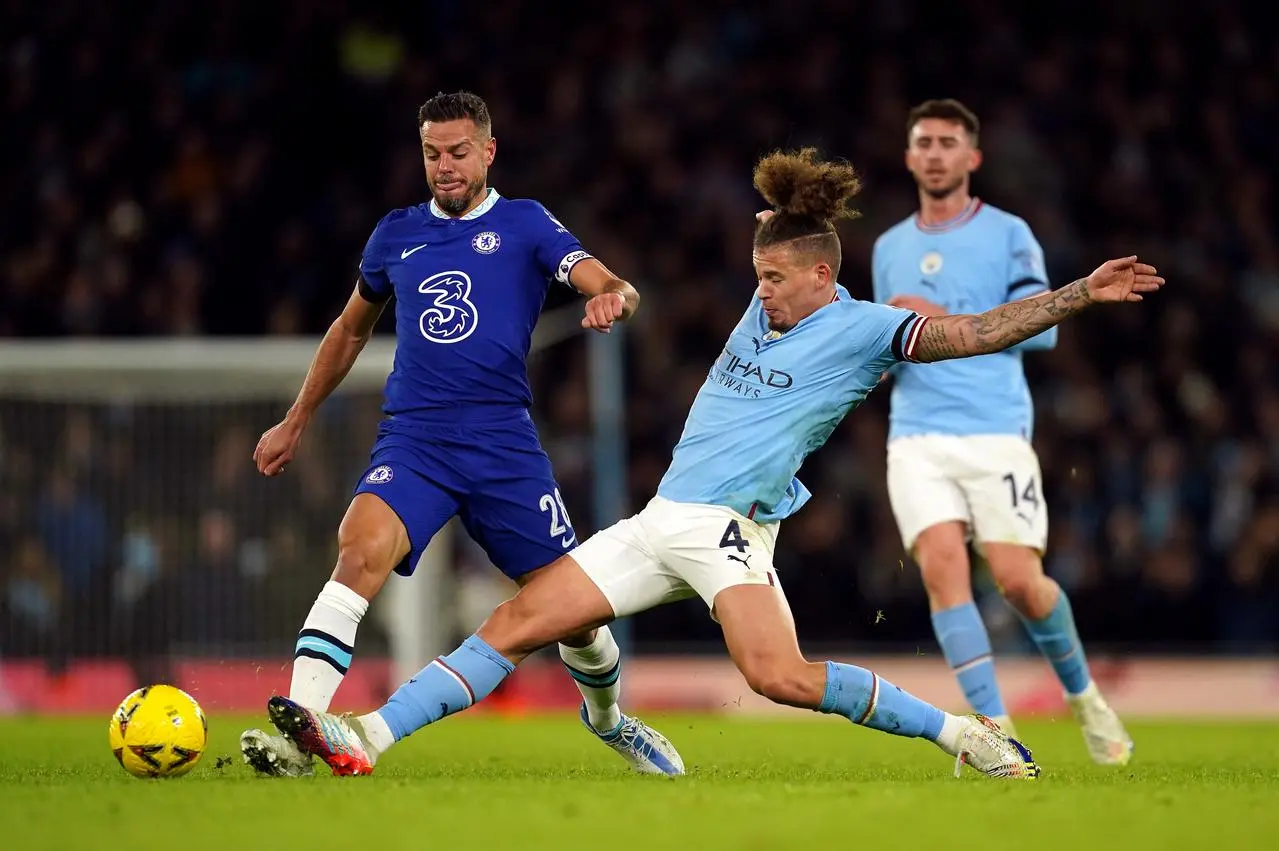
[984,258]
[770,399]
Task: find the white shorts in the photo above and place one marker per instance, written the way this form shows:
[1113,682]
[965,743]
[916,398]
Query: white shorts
[675,550]
[990,482]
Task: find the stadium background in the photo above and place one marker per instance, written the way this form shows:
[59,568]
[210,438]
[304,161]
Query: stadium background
[212,170]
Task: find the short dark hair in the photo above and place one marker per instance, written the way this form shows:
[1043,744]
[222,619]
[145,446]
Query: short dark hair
[947,109]
[455,106]
[807,196]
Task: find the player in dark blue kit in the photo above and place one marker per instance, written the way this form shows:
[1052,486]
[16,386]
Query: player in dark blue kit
[470,272]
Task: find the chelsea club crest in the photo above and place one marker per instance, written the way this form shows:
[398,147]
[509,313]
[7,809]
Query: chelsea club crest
[486,243]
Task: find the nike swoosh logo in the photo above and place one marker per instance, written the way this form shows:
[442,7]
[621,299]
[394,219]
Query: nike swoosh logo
[405,253]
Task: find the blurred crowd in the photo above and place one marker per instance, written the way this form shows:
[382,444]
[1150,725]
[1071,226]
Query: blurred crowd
[214,169]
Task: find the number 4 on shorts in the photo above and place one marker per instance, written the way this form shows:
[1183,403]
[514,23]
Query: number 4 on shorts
[733,537]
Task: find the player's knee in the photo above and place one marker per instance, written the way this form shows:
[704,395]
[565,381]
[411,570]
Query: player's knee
[946,575]
[515,629]
[780,681]
[1027,589]
[580,639]
[361,569]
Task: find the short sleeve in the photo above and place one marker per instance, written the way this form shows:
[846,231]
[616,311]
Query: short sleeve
[1026,273]
[887,335]
[557,250]
[375,284]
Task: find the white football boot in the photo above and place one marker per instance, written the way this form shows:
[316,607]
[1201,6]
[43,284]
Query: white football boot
[644,749]
[1104,734]
[986,748]
[274,756]
[1005,723]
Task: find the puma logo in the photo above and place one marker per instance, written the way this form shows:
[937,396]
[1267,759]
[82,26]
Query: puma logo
[746,560]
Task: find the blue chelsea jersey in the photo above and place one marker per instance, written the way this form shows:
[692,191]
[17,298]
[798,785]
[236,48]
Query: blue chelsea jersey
[468,293]
[772,398]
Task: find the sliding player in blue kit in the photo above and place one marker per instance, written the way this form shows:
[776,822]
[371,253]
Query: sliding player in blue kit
[469,272]
[961,466]
[804,354]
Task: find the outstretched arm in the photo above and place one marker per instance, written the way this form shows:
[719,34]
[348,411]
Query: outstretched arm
[967,335]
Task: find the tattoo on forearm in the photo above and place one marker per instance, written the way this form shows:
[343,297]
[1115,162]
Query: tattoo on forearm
[946,337]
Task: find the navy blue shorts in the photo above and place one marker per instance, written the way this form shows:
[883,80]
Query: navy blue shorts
[493,475]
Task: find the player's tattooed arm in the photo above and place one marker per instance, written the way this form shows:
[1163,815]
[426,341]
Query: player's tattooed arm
[967,335]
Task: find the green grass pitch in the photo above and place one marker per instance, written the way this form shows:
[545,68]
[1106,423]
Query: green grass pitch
[542,783]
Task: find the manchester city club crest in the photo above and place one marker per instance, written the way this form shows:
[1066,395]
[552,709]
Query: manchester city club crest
[930,263]
[487,242]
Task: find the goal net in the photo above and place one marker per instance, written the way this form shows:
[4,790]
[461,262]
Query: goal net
[134,523]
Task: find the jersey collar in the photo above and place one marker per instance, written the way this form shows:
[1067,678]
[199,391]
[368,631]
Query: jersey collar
[965,216]
[484,207]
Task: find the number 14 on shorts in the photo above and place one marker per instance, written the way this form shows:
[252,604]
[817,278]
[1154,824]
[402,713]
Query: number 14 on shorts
[1023,496]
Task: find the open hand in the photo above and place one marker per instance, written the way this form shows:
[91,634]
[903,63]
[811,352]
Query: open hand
[603,310]
[1123,279]
[277,446]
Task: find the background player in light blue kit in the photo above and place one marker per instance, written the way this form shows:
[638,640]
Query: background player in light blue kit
[960,462]
[802,356]
[469,272]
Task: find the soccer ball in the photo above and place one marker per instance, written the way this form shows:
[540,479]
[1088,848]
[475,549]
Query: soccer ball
[158,731]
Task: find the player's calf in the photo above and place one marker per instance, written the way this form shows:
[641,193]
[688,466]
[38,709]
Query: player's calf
[761,640]
[371,541]
[1019,574]
[1045,610]
[942,553]
[594,662]
[561,601]
[325,645]
[455,682]
[788,680]
[965,644]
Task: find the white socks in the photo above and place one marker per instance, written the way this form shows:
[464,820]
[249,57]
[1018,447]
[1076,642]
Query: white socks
[377,734]
[597,670]
[948,738]
[325,645]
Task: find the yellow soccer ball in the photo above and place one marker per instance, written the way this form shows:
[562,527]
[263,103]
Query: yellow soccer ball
[158,731]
